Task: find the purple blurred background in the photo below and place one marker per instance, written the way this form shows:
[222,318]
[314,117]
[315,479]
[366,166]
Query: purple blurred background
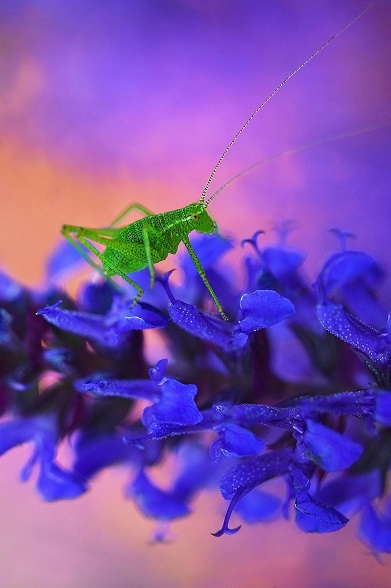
[105,103]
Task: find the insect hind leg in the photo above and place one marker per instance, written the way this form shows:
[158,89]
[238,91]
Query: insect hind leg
[134,206]
[75,242]
[81,238]
[114,271]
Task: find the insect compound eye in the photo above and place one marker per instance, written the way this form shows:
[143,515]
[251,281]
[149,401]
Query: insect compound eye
[195,216]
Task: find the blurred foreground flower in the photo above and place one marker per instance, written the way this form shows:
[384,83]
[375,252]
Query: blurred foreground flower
[286,408]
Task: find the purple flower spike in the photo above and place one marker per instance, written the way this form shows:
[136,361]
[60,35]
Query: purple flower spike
[294,385]
[329,449]
[262,309]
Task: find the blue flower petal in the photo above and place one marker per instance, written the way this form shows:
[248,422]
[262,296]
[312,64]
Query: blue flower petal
[262,309]
[64,258]
[375,530]
[370,341]
[215,331]
[10,290]
[253,471]
[312,516]
[100,386]
[209,249]
[60,359]
[15,432]
[55,483]
[158,430]
[27,470]
[176,405]
[197,471]
[329,449]
[93,453]
[235,441]
[351,492]
[106,330]
[262,414]
[86,325]
[360,403]
[147,317]
[158,372]
[258,507]
[347,267]
[97,297]
[154,502]
[8,340]
[238,481]
[282,263]
[383,407]
[299,478]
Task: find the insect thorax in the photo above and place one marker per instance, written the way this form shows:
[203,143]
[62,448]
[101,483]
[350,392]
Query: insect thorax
[170,227]
[163,232]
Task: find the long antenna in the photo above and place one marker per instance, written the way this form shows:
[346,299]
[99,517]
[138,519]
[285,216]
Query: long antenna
[292,150]
[291,75]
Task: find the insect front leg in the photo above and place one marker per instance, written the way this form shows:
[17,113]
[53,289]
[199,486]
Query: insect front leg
[147,246]
[202,274]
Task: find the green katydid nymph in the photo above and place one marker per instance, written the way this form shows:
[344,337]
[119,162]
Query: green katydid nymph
[152,238]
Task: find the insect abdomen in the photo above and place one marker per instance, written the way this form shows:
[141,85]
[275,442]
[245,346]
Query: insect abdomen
[127,252]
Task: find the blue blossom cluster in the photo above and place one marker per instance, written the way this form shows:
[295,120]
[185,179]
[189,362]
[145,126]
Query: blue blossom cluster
[286,407]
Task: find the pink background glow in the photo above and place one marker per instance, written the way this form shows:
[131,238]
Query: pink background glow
[106,103]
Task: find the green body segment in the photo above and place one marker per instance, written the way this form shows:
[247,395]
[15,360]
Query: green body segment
[144,242]
[160,234]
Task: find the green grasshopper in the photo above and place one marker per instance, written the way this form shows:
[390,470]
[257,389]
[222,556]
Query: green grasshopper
[150,239]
